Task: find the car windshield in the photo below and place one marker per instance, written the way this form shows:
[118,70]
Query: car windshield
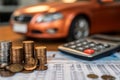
[67,1]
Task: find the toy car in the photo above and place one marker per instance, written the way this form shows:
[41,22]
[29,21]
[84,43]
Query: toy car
[67,20]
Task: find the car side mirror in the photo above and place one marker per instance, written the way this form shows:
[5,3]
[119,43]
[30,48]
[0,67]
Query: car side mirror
[106,1]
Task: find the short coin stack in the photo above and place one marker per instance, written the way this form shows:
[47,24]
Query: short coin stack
[21,58]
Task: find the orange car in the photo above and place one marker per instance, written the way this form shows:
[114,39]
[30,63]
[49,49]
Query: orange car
[70,20]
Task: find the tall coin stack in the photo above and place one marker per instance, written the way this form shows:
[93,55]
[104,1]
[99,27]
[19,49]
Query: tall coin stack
[5,50]
[28,51]
[40,53]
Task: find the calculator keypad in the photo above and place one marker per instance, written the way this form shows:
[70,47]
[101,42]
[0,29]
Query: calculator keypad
[88,47]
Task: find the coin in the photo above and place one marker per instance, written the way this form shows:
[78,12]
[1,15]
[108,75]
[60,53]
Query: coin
[16,56]
[93,76]
[27,71]
[108,77]
[3,65]
[5,50]
[31,64]
[42,60]
[40,51]
[53,55]
[29,67]
[31,61]
[6,45]
[28,47]
[15,68]
[42,67]
[5,73]
[1,69]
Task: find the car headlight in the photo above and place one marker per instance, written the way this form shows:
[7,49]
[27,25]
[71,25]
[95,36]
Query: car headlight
[49,17]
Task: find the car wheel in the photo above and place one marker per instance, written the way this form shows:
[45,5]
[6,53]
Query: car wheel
[79,29]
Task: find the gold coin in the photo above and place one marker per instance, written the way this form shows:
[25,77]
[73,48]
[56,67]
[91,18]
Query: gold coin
[42,67]
[27,71]
[28,47]
[5,73]
[30,60]
[30,66]
[16,56]
[108,77]
[42,60]
[93,76]
[40,51]
[15,67]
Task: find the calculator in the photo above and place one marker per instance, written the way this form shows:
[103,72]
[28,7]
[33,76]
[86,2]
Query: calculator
[89,49]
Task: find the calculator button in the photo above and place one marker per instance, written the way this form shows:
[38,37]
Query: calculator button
[85,42]
[86,46]
[78,41]
[92,44]
[73,46]
[80,48]
[78,45]
[100,47]
[71,43]
[89,51]
[66,45]
[106,45]
[95,48]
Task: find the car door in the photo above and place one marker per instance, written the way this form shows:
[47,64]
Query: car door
[104,16]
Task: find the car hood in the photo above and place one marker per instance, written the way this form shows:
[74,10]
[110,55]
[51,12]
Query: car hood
[51,7]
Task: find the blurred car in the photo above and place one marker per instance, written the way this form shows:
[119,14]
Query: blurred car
[67,20]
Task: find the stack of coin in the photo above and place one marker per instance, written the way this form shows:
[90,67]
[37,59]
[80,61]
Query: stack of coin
[16,56]
[5,50]
[28,47]
[40,54]
[17,59]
